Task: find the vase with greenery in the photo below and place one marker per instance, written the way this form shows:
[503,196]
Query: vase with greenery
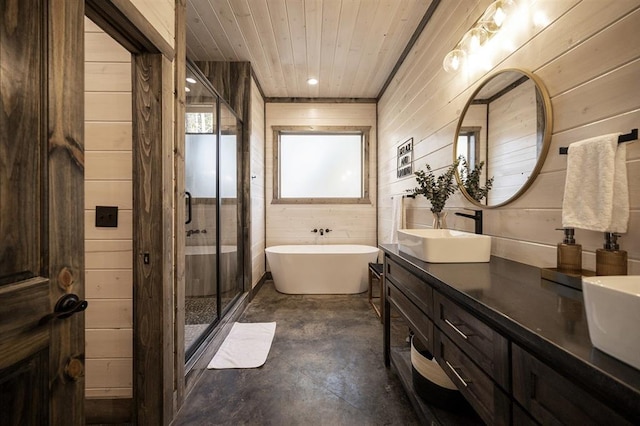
[437,190]
[470,179]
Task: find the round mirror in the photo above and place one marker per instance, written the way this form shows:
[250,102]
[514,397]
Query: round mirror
[503,135]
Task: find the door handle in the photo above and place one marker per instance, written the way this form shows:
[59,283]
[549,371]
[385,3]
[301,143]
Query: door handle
[187,196]
[66,306]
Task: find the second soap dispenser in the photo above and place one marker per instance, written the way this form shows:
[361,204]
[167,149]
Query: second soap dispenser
[569,253]
[610,260]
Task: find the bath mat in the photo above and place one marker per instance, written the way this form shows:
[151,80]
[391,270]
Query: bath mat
[246,346]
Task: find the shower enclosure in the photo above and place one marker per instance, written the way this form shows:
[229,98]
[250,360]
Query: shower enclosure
[213,252]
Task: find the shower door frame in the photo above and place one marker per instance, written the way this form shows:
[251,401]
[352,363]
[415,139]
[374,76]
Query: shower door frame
[241,275]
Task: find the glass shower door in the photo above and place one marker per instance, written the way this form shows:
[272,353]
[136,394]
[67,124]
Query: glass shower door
[201,284]
[230,229]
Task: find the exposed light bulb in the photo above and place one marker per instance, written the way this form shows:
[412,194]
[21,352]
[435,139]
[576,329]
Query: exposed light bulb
[473,39]
[312,81]
[540,19]
[191,80]
[496,14]
[499,17]
[454,60]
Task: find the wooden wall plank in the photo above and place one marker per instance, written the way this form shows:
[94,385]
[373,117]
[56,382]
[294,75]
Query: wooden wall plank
[113,135]
[109,373]
[107,106]
[110,193]
[108,165]
[109,283]
[106,254]
[153,275]
[110,314]
[107,76]
[257,172]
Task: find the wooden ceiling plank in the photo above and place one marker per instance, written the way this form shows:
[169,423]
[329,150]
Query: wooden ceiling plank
[354,16]
[373,35]
[330,20]
[257,56]
[209,16]
[197,30]
[280,24]
[297,36]
[275,86]
[399,30]
[313,27]
[232,29]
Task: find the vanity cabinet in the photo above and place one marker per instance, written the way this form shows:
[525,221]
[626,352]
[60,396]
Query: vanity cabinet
[510,372]
[475,357]
[488,348]
[550,398]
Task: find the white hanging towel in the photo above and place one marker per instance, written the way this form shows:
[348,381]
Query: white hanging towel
[397,217]
[596,192]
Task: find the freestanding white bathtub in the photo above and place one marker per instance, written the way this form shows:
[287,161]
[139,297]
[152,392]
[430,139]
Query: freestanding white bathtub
[321,269]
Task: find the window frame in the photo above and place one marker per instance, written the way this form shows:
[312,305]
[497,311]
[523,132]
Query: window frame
[321,130]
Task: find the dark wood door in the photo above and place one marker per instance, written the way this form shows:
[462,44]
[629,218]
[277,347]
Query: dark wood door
[41,211]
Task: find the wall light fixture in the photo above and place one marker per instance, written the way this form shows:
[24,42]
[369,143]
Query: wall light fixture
[491,21]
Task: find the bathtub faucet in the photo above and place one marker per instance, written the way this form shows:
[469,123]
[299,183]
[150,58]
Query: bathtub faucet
[321,231]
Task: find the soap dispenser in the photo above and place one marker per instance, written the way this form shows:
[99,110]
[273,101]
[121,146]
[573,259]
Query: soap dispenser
[569,253]
[610,260]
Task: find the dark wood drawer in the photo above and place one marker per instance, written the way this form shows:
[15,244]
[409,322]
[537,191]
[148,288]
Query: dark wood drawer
[416,289]
[485,396]
[485,346]
[420,324]
[551,398]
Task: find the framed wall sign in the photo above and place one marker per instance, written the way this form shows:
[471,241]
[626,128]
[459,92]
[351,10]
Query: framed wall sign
[405,158]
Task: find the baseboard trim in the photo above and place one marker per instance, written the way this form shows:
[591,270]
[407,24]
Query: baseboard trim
[265,277]
[115,411]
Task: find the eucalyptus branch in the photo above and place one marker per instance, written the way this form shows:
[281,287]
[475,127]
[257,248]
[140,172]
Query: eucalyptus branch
[471,180]
[436,189]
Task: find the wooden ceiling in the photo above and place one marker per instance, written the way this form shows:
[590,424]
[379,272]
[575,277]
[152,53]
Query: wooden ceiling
[350,46]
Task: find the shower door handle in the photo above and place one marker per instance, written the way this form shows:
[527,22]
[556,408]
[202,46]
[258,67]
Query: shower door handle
[187,196]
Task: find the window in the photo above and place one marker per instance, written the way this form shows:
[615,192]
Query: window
[322,165]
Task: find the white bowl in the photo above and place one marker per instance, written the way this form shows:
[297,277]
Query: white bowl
[444,245]
[612,304]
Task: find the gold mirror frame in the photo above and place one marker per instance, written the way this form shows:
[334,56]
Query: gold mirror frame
[546,142]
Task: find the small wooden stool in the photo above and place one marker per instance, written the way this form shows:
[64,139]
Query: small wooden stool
[376,271]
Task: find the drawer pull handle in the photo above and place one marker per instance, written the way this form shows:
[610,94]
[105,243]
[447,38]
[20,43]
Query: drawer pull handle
[464,336]
[464,382]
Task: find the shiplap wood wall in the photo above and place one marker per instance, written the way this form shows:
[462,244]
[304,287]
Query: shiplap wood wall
[589,59]
[108,182]
[292,224]
[160,14]
[257,166]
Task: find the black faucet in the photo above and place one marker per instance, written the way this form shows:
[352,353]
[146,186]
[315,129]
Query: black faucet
[477,218]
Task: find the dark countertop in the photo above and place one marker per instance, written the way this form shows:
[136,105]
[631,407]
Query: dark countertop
[545,318]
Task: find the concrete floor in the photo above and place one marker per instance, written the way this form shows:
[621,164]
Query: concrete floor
[325,367]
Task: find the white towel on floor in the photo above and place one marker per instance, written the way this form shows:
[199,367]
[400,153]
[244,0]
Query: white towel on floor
[246,346]
[397,217]
[596,192]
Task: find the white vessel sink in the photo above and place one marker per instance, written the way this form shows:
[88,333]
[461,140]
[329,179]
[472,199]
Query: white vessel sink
[444,245]
[612,304]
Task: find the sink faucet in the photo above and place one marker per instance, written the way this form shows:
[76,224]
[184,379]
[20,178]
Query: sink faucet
[477,218]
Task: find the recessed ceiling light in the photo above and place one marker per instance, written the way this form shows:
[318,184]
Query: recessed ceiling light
[186,89]
[191,80]
[312,81]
